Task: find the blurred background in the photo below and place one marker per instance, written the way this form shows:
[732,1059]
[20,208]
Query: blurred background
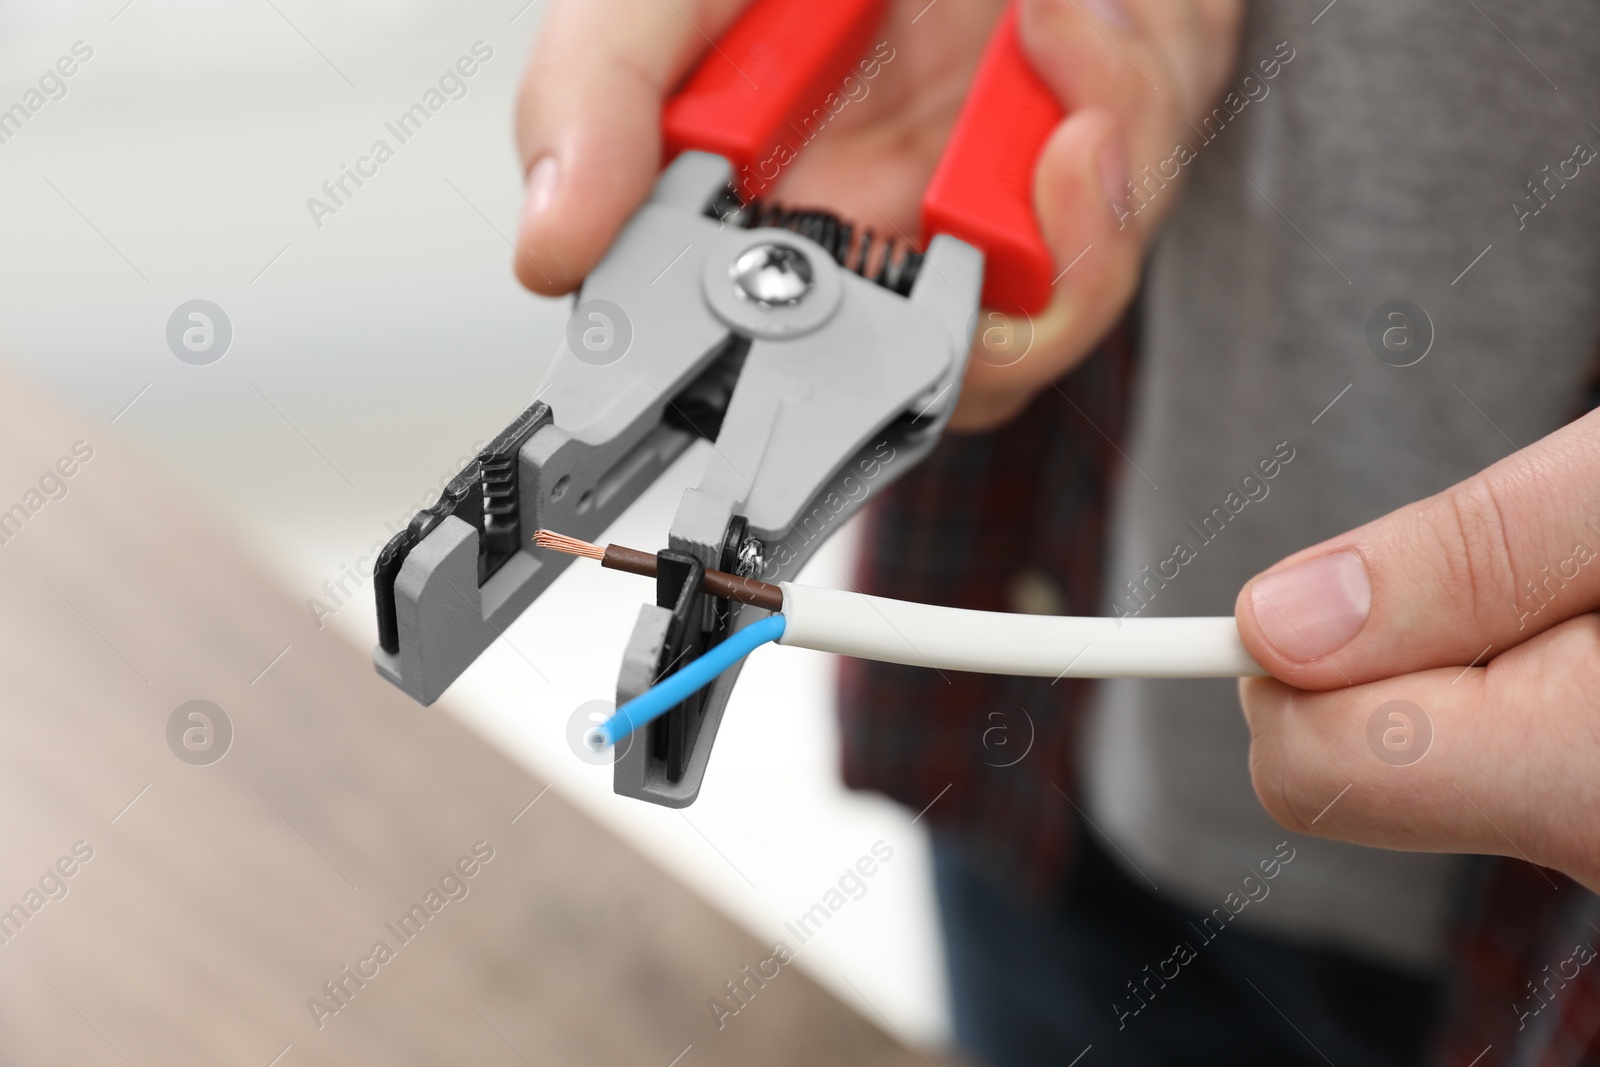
[372,350]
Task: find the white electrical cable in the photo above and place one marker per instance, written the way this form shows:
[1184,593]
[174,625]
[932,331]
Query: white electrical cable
[992,642]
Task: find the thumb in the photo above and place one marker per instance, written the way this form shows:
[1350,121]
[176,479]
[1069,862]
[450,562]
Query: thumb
[1447,581]
[589,124]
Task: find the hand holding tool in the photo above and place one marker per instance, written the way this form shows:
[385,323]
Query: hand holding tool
[819,361]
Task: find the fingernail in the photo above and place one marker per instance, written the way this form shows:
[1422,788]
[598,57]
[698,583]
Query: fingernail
[1112,164]
[1114,12]
[1313,609]
[541,188]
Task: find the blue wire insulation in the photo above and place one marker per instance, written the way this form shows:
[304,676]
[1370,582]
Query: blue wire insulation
[675,688]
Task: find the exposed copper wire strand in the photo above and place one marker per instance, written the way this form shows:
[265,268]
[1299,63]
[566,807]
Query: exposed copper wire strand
[570,545]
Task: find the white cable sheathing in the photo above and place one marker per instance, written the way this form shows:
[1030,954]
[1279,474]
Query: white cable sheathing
[990,642]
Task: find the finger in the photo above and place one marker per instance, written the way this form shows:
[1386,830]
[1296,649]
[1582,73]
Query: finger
[1447,581]
[1080,171]
[1102,59]
[1148,64]
[589,123]
[1496,760]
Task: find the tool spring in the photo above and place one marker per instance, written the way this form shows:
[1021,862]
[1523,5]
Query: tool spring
[885,261]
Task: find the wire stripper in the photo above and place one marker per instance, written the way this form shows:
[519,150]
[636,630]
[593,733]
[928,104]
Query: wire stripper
[819,361]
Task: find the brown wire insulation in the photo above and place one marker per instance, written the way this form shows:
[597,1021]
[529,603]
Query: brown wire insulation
[757,594]
[750,591]
[621,558]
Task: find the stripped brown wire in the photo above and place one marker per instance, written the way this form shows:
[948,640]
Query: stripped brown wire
[620,558]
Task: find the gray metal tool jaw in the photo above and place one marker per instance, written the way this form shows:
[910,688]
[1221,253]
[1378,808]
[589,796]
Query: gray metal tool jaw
[838,392]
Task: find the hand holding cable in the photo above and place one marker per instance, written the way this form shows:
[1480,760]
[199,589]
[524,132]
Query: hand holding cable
[1437,671]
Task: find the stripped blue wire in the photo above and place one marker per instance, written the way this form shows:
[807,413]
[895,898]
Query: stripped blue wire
[672,690]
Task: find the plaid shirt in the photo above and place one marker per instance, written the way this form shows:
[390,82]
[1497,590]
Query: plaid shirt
[1016,520]
[1527,973]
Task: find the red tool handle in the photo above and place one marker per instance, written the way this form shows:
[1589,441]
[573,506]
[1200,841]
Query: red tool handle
[762,92]
[982,190]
